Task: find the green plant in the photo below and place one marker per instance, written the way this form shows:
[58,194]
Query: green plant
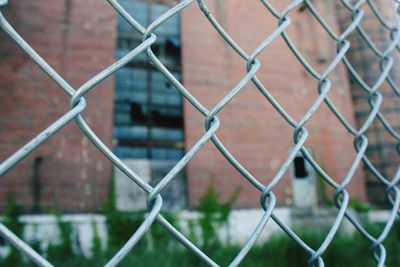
[359,205]
[97,248]
[11,221]
[214,215]
[61,250]
[322,189]
[121,226]
[279,250]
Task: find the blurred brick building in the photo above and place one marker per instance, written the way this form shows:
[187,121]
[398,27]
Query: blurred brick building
[148,124]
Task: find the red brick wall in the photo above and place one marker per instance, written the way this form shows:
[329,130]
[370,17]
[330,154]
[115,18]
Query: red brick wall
[381,146]
[77,38]
[250,127]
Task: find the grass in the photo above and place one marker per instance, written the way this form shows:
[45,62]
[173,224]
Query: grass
[158,248]
[280,250]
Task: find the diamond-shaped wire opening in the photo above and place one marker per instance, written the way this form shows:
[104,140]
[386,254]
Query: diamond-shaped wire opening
[300,134]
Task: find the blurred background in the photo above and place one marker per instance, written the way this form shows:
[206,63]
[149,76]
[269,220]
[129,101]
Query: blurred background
[66,196]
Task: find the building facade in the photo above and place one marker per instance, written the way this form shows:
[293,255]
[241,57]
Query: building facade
[149,125]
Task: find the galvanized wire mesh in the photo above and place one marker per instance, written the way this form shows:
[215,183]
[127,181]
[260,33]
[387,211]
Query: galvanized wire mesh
[267,198]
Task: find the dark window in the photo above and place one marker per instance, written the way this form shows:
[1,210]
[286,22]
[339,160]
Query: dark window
[148,118]
[300,170]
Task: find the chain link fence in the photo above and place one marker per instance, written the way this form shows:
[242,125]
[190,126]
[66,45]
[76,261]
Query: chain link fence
[300,133]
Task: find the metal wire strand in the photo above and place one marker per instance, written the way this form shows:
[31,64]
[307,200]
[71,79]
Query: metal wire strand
[212,123]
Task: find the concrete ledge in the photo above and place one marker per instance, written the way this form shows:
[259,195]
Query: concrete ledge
[378,216]
[44,230]
[240,226]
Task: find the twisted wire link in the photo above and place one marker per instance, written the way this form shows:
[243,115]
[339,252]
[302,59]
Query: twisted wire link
[323,83]
[212,123]
[357,14]
[372,92]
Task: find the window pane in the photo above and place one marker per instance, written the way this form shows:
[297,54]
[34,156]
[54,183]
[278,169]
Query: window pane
[130,132]
[140,11]
[166,153]
[148,119]
[166,134]
[131,152]
[131,85]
